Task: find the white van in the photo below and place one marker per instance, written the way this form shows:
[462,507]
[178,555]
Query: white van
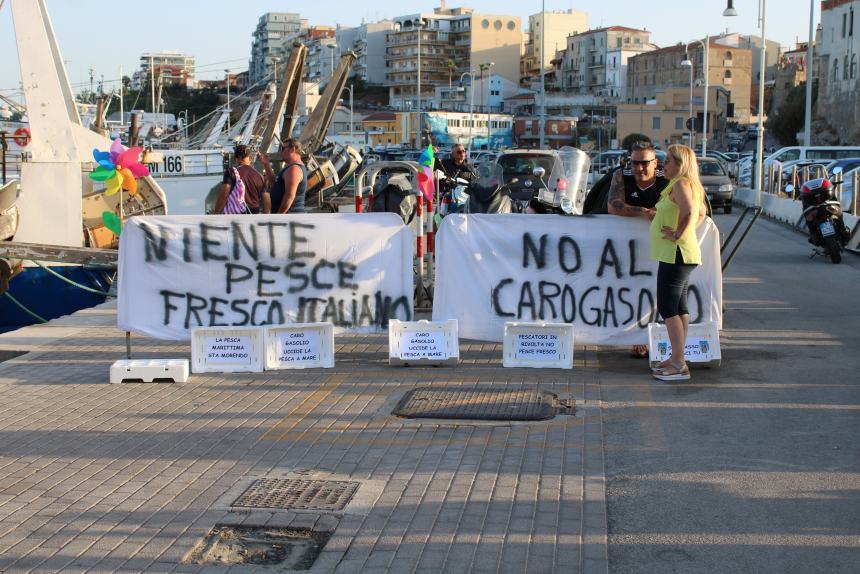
[812,152]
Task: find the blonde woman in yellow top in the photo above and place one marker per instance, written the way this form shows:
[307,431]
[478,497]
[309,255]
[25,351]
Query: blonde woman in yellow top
[674,245]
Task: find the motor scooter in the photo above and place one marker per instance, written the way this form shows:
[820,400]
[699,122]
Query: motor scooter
[823,215]
[563,192]
[485,193]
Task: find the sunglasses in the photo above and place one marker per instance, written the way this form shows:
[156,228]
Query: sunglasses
[642,162]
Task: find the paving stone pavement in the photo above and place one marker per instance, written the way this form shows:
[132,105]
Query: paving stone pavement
[128,478]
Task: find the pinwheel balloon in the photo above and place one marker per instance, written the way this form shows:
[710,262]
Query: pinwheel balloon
[118,168]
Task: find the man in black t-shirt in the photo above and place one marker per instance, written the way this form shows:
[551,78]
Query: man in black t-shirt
[256,186]
[634,192]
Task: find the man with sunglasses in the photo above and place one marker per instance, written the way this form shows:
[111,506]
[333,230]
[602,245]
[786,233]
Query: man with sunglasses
[456,165]
[634,191]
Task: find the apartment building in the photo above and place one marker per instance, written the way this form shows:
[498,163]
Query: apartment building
[664,117]
[169,68]
[453,41]
[595,62]
[559,25]
[652,72]
[272,41]
[368,42]
[321,59]
[838,104]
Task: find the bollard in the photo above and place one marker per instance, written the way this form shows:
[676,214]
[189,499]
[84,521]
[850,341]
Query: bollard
[419,239]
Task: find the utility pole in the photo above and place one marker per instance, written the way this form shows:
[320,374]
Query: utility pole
[542,120]
[807,117]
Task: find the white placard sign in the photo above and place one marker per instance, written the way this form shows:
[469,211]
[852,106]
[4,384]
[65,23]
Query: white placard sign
[702,344]
[182,272]
[300,346]
[594,272]
[231,350]
[540,345]
[423,342]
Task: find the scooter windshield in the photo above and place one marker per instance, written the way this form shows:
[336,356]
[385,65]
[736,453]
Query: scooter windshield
[569,178]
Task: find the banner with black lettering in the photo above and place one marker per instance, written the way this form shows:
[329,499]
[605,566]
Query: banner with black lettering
[594,272]
[181,272]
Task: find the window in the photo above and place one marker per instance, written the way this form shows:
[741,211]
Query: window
[844,24]
[851,22]
[679,123]
[853,66]
[655,123]
[845,68]
[728,74]
[835,68]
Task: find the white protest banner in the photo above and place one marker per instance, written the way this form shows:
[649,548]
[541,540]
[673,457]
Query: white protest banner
[594,272]
[181,272]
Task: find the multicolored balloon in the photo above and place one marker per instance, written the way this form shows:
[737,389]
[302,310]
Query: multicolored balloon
[118,168]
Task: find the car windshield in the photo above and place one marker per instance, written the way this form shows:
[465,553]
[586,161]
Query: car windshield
[524,164]
[710,168]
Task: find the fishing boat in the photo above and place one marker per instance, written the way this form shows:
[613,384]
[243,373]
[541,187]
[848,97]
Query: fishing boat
[53,210]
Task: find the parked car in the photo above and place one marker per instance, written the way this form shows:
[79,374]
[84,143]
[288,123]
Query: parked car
[716,182]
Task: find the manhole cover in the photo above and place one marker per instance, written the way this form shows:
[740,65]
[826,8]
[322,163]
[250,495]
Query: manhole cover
[291,493]
[294,549]
[478,404]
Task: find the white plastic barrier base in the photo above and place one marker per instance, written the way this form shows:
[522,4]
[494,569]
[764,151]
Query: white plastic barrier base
[149,370]
[702,345]
[423,342]
[227,350]
[538,345]
[300,346]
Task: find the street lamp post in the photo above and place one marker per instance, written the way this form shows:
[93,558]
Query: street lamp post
[688,63]
[730,11]
[419,22]
[706,53]
[471,107]
[482,67]
[807,117]
[542,119]
[332,49]
[349,87]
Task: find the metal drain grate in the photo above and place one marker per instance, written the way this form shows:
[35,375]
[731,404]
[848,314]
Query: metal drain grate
[290,493]
[477,404]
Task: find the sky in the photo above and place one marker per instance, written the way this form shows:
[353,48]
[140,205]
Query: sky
[106,35]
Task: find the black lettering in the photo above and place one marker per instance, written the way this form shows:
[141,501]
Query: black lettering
[402,301]
[153,246]
[271,225]
[308,309]
[303,278]
[495,297]
[625,302]
[254,313]
[633,271]
[232,277]
[651,314]
[609,258]
[261,280]
[186,245]
[295,239]
[527,299]
[346,273]
[539,254]
[330,312]
[314,274]
[568,303]
[596,321]
[564,244]
[366,313]
[609,308]
[548,291]
[206,243]
[694,291]
[168,306]
[192,309]
[239,238]
[276,314]
[214,312]
[238,306]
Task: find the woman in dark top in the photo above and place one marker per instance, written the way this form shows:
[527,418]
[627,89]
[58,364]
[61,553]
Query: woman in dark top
[288,193]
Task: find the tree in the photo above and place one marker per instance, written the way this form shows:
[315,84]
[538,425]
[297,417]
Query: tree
[631,139]
[788,120]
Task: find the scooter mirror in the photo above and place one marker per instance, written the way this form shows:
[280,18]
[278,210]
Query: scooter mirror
[836,170]
[539,172]
[789,188]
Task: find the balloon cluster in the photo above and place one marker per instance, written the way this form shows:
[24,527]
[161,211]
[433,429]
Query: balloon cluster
[118,169]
